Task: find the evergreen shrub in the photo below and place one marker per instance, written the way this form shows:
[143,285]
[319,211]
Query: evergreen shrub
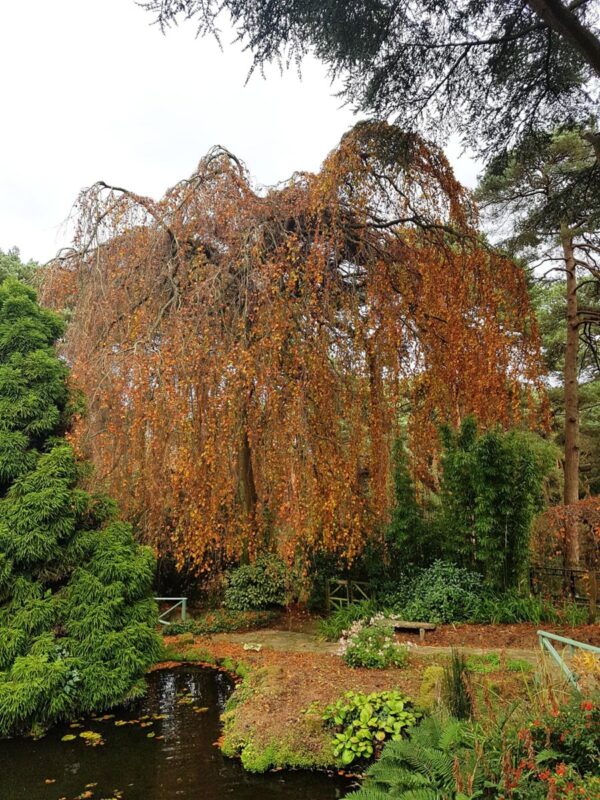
[77,618]
[261,585]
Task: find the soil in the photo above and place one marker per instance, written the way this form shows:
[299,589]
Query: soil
[521,636]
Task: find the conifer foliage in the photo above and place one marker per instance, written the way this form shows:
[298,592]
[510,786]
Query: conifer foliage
[77,620]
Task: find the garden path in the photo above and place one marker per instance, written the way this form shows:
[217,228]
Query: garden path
[302,642]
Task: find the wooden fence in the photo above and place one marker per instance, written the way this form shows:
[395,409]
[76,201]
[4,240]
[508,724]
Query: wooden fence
[342,593]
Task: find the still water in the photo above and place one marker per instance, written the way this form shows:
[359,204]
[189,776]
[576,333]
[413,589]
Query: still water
[160,749]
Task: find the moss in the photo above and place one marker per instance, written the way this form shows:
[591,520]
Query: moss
[279,755]
[430,691]
[261,746]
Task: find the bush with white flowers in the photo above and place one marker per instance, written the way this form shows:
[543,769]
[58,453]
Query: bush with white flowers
[370,643]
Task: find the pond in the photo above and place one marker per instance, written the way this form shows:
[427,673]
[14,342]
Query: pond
[160,749]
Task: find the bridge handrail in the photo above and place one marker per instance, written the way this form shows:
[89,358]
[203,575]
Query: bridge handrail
[546,638]
[571,642]
[177,602]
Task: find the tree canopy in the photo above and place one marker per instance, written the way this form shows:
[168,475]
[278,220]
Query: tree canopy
[12,266]
[492,69]
[548,188]
[77,620]
[244,354]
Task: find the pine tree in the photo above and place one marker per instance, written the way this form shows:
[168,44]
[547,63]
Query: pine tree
[77,619]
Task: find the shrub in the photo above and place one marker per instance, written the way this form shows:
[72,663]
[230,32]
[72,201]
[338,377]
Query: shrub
[256,586]
[427,764]
[77,618]
[371,644]
[491,489]
[444,593]
[568,734]
[333,626]
[221,621]
[456,687]
[362,723]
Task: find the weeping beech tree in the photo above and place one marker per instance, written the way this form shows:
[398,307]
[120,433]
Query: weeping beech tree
[245,354]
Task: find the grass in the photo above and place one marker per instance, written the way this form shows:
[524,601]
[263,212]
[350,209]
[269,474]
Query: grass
[484,663]
[332,627]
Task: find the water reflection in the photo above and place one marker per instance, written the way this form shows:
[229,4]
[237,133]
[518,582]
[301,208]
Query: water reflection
[162,748]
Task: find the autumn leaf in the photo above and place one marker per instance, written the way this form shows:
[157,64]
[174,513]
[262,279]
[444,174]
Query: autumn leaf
[342,297]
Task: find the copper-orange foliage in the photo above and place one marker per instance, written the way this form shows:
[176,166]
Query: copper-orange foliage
[244,354]
[552,528]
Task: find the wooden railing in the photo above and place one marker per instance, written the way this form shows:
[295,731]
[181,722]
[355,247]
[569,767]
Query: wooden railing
[342,593]
[546,643]
[176,602]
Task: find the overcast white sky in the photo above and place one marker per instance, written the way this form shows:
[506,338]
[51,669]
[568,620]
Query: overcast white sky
[91,90]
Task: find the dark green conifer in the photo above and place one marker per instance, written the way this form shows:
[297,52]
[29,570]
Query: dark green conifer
[77,618]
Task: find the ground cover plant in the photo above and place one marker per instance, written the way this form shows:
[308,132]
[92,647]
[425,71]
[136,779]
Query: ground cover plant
[554,756]
[362,723]
[221,621]
[77,617]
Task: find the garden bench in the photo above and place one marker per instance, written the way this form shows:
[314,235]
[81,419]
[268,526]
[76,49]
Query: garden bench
[401,625]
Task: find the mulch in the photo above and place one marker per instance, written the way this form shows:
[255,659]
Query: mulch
[522,636]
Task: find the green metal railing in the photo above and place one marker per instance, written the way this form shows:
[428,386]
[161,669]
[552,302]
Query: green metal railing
[177,602]
[546,640]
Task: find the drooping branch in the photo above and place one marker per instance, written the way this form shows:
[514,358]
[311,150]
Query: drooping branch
[251,381]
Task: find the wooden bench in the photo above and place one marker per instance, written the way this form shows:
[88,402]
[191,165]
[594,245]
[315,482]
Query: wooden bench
[401,625]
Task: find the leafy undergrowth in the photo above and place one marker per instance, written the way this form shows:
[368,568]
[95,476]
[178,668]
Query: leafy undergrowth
[222,621]
[274,719]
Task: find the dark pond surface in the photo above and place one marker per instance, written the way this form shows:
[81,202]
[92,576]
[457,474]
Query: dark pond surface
[183,706]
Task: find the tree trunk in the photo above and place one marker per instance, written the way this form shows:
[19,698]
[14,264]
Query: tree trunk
[563,21]
[571,469]
[593,589]
[246,488]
